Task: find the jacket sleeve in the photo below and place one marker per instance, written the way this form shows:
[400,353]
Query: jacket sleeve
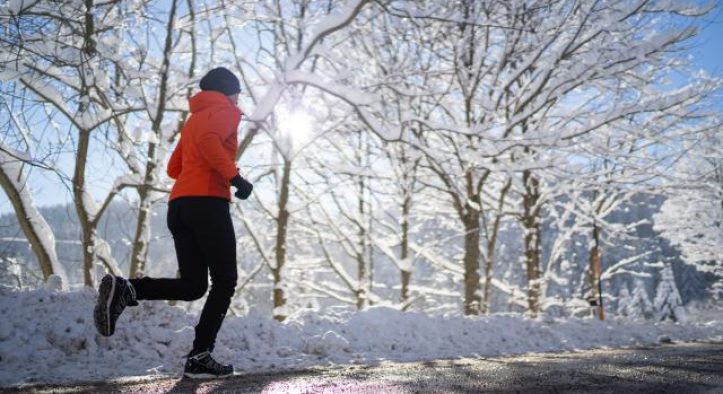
[175,164]
[220,126]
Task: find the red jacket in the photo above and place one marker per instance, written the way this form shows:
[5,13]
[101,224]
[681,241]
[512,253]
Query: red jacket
[203,162]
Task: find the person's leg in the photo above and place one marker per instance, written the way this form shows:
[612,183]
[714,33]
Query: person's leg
[213,230]
[193,282]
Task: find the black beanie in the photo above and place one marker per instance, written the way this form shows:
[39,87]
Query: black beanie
[221,80]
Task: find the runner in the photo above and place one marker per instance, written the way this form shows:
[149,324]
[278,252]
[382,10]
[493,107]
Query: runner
[199,220]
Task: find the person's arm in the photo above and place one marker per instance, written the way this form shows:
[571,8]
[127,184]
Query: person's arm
[175,164]
[210,141]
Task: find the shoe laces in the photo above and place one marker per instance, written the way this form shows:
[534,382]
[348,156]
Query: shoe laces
[206,358]
[128,295]
[131,289]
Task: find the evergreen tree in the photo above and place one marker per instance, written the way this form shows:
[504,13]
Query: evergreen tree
[640,306]
[668,304]
[624,301]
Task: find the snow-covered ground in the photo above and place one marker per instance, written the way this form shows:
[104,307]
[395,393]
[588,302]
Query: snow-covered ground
[48,336]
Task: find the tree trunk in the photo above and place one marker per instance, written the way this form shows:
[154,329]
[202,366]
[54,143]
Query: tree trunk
[491,245]
[79,194]
[87,223]
[471,261]
[143,226]
[281,230]
[406,264]
[363,276]
[531,224]
[36,229]
[594,296]
[362,295]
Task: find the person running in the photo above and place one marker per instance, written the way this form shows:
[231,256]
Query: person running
[199,220]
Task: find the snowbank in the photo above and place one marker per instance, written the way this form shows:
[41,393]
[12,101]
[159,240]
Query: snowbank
[48,336]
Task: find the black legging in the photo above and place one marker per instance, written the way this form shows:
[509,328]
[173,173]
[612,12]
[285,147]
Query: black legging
[205,241]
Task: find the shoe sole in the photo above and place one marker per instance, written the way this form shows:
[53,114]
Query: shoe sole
[205,375]
[102,308]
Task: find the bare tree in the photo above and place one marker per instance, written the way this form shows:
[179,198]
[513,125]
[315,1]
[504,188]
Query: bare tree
[293,61]
[64,66]
[530,79]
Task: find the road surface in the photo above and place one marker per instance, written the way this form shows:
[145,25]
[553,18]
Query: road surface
[690,368]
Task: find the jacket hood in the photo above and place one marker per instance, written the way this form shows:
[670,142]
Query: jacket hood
[207,99]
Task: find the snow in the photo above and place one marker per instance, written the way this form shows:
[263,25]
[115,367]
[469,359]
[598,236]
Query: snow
[89,204]
[325,26]
[16,6]
[127,179]
[53,331]
[350,95]
[266,105]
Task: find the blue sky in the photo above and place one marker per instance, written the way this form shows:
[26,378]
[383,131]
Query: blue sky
[708,46]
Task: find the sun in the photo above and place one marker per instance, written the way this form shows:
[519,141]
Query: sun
[295,126]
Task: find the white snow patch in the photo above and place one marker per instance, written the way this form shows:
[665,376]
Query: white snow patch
[53,331]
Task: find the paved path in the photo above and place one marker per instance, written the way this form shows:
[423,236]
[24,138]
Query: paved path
[692,368]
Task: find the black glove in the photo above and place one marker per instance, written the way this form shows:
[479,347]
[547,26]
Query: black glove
[243,187]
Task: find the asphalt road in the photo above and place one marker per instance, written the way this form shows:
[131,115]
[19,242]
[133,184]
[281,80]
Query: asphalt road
[689,368]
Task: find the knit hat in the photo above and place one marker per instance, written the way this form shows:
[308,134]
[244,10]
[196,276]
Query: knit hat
[221,80]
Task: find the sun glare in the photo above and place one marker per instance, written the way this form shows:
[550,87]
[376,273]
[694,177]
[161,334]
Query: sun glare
[296,126]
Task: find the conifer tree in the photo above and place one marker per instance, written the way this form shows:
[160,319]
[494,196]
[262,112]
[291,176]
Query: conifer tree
[668,304]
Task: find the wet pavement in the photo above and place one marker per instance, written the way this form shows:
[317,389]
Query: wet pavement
[690,368]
